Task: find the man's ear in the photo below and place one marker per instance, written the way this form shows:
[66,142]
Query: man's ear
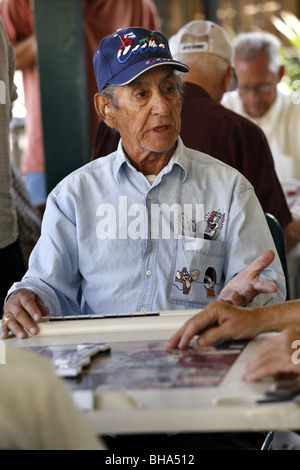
[281,72]
[227,79]
[105,109]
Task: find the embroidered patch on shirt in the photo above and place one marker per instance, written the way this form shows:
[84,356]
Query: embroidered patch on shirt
[214,224]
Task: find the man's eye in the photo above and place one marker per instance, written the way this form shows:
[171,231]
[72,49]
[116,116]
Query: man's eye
[170,89]
[141,94]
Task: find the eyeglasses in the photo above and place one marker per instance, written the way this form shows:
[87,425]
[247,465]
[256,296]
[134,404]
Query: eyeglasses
[258,89]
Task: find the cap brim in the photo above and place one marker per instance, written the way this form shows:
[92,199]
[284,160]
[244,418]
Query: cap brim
[131,73]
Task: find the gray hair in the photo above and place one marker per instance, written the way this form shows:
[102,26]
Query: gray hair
[110,90]
[247,46]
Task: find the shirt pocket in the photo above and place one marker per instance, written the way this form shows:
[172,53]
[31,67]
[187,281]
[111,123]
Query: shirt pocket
[196,276]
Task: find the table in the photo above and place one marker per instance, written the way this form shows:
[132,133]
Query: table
[229,406]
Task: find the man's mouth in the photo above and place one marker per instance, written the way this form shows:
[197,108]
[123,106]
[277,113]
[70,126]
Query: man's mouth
[161,129]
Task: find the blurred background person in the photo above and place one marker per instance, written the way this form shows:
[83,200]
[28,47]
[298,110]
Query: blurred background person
[36,409]
[259,98]
[100,18]
[18,20]
[12,264]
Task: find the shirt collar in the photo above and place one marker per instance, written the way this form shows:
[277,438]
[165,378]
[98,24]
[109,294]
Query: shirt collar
[179,158]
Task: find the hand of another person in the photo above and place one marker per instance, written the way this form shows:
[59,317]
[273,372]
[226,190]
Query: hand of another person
[21,311]
[275,355]
[246,285]
[218,321]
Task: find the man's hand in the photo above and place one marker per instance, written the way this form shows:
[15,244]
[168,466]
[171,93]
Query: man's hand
[246,285]
[21,311]
[217,322]
[274,356]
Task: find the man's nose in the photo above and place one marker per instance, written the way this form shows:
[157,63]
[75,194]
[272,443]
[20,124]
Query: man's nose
[160,104]
[253,96]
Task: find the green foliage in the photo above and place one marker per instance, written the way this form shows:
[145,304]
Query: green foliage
[289,26]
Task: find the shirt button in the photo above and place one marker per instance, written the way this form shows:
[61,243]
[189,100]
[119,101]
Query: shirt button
[148,272]
[149,196]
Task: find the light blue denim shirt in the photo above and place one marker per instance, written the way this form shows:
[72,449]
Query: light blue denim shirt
[122,244]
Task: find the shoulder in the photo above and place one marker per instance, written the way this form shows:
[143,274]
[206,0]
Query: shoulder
[99,165]
[85,179]
[206,166]
[289,101]
[231,98]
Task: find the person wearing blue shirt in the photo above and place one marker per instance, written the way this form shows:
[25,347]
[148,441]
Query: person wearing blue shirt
[152,226]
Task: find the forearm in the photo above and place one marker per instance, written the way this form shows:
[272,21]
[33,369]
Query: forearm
[277,317]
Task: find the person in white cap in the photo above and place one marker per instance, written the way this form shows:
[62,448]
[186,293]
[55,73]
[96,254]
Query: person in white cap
[208,126]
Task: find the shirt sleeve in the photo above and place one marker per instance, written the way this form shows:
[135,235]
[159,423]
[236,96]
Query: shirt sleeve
[245,241]
[53,265]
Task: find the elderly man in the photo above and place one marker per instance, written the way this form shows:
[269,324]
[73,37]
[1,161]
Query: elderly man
[258,69]
[126,233]
[208,126]
[152,226]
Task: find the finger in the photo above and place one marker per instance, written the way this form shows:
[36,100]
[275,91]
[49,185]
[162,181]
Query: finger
[261,371]
[207,334]
[265,362]
[264,287]
[42,307]
[4,328]
[213,335]
[172,343]
[175,339]
[19,321]
[193,326]
[268,365]
[233,298]
[12,325]
[31,304]
[261,262]
[23,309]
[257,288]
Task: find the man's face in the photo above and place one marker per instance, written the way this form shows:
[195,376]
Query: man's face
[148,114]
[257,85]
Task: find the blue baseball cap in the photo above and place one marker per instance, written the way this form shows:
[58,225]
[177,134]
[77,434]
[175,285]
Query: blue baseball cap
[127,53]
